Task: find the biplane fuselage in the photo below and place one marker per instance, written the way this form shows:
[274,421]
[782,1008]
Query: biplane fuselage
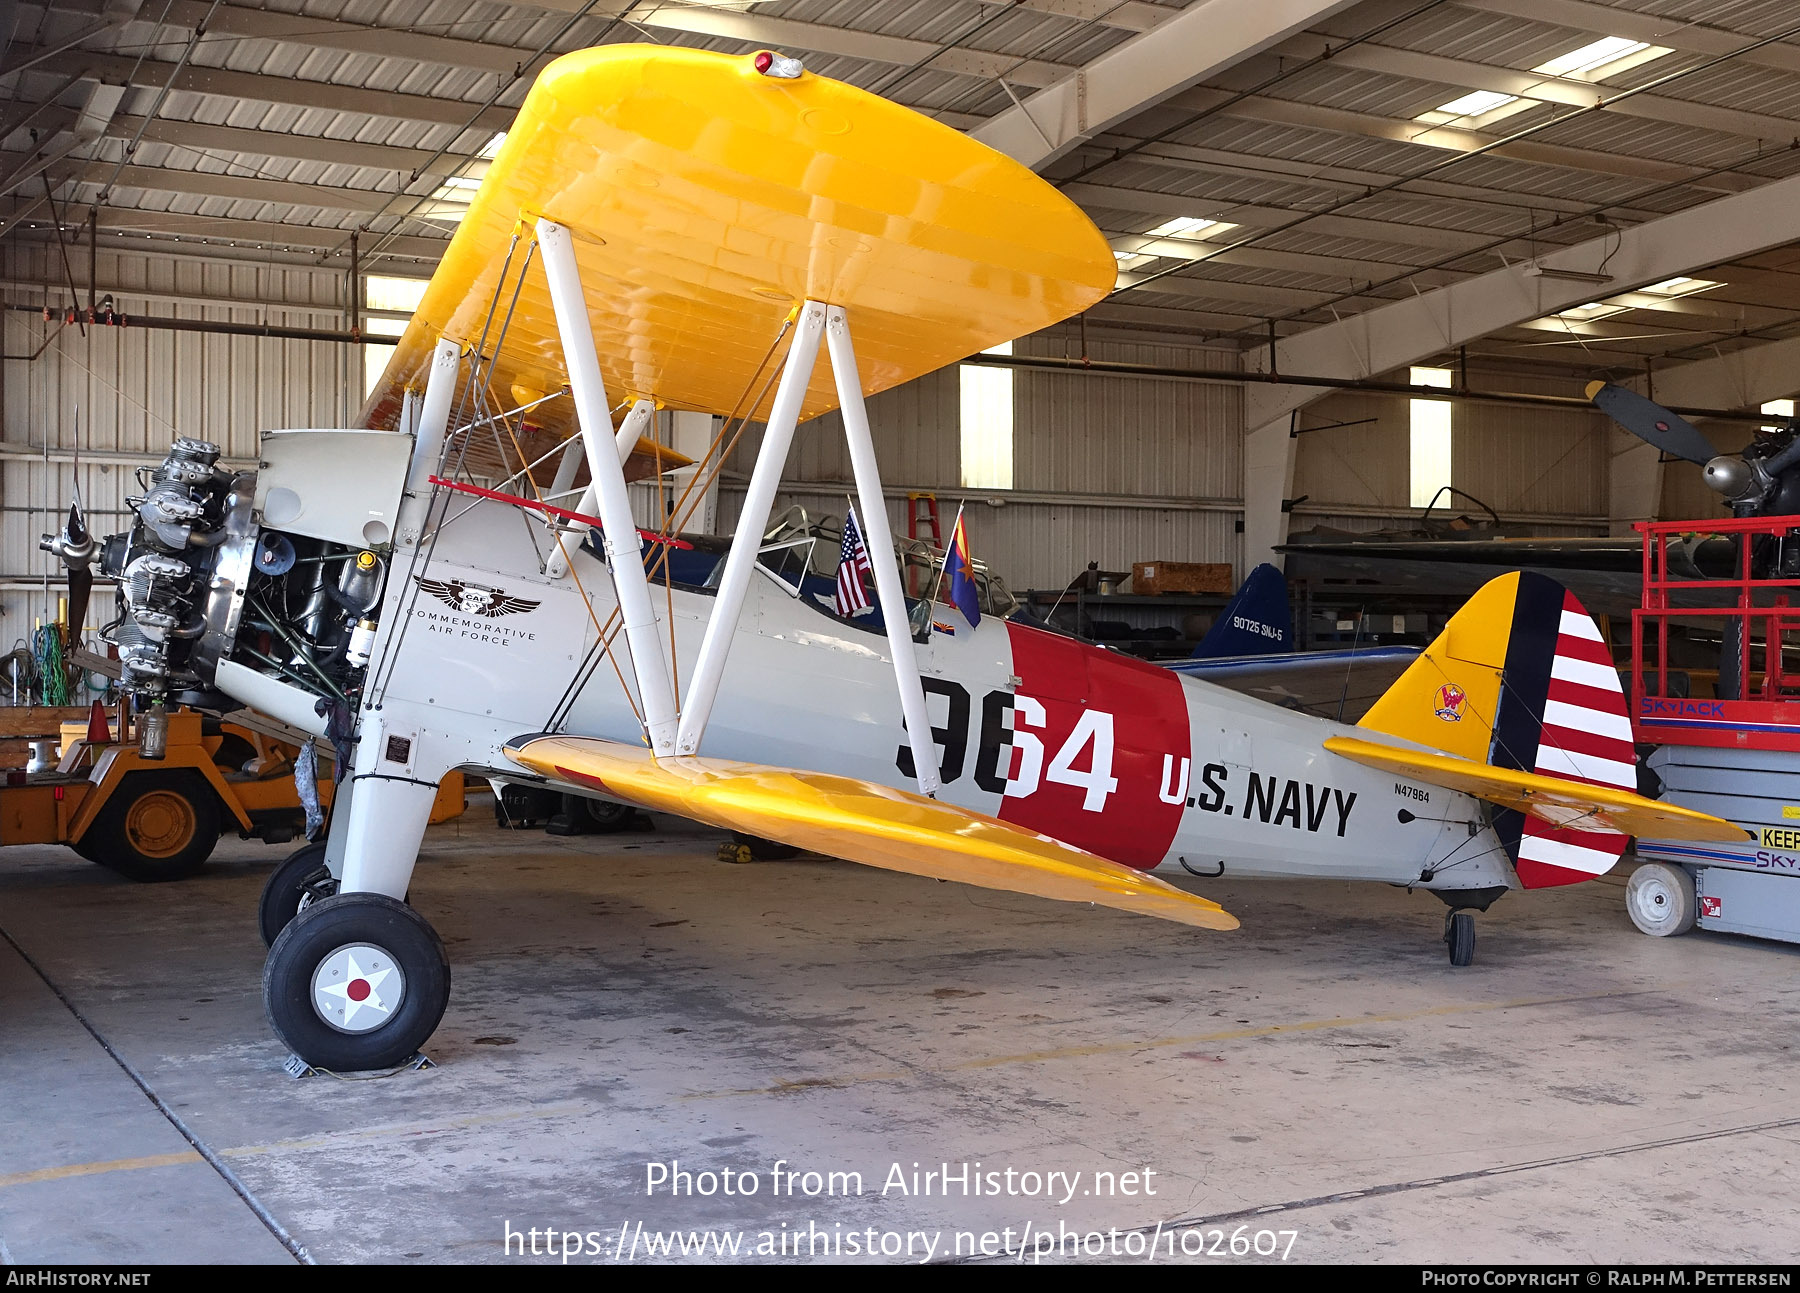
[1122,758]
[682,229]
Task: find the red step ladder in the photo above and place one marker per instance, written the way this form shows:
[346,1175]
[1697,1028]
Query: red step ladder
[913,517]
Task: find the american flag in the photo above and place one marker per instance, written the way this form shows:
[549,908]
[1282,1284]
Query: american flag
[853,564]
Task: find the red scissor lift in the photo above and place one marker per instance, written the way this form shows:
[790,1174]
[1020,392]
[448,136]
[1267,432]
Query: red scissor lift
[1736,752]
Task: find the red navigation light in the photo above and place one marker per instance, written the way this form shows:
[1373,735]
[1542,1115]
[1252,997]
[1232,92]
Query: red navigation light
[770,63]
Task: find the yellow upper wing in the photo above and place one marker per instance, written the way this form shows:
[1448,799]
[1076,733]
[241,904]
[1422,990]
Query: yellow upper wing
[861,822]
[1556,800]
[708,199]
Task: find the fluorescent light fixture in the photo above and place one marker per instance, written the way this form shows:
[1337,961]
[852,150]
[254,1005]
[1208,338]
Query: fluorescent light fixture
[1538,270]
[1189,227]
[1601,58]
[1680,286]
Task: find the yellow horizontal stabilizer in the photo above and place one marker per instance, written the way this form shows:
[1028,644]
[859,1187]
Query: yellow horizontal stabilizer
[861,821]
[1556,800]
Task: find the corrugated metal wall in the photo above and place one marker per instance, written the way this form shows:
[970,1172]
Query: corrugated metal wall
[1105,469]
[1541,466]
[134,390]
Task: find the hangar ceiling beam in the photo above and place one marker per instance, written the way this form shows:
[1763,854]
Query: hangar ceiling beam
[1691,35]
[231,141]
[265,233]
[902,51]
[1343,179]
[1201,41]
[213,184]
[1747,377]
[1264,217]
[1303,262]
[286,90]
[1464,76]
[1404,332]
[1313,116]
[357,38]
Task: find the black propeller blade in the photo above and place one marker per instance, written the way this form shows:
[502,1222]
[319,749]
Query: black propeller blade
[1651,422]
[75,546]
[81,577]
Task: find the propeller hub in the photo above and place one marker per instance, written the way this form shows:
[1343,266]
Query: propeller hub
[1731,476]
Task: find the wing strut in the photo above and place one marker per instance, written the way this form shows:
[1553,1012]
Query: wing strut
[815,319]
[880,542]
[613,501]
[759,496]
[670,732]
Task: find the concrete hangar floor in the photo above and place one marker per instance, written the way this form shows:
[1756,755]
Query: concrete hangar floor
[1582,1093]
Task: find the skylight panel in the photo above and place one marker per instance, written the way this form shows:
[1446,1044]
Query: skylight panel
[1193,227]
[1601,58]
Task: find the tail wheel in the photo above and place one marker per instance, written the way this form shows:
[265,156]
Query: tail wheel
[155,826]
[301,880]
[357,981]
[1660,900]
[1459,934]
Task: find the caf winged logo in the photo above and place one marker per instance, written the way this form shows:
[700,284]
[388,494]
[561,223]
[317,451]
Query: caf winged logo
[475,599]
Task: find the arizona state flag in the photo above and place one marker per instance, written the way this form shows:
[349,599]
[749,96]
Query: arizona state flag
[961,571]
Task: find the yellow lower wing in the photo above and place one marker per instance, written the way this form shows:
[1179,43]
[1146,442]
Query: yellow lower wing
[1554,799]
[861,821]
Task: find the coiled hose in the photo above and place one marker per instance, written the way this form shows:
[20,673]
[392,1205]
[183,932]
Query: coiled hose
[47,651]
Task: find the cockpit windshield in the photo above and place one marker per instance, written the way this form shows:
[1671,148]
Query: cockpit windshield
[800,552]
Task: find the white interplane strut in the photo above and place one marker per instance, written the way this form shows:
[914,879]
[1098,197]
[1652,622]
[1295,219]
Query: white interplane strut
[624,549]
[759,496]
[672,733]
[879,539]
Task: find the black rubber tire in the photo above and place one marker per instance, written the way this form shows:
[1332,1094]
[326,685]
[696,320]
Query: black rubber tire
[603,816]
[1459,933]
[301,878]
[766,850]
[323,928]
[115,840]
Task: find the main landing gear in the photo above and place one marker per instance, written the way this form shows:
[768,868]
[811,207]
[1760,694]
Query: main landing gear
[356,981]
